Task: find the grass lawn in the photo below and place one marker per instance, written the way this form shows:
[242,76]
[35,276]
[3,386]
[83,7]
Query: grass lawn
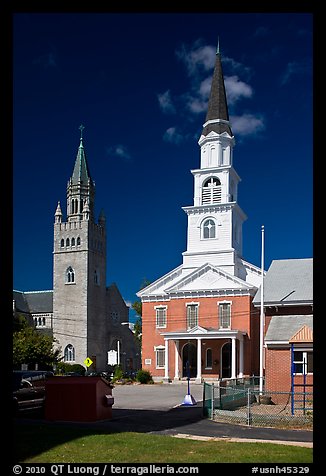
[59,444]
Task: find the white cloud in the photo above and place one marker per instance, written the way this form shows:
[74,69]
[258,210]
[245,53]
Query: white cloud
[247,124]
[165,102]
[172,135]
[236,89]
[119,151]
[197,58]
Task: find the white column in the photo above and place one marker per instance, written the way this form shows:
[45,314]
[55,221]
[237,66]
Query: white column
[233,358]
[241,358]
[198,359]
[176,361]
[166,363]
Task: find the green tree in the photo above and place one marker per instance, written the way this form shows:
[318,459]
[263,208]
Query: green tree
[137,307]
[31,347]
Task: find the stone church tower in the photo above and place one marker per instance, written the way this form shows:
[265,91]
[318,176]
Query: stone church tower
[79,271]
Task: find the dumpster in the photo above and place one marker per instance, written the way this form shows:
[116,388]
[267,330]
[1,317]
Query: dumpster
[78,399]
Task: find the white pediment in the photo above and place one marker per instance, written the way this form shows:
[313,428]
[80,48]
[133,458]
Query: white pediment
[198,330]
[208,278]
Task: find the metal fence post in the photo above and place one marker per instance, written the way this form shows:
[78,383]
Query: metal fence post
[212,402]
[248,408]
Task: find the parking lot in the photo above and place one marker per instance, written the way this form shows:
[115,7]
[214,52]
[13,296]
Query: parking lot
[154,397]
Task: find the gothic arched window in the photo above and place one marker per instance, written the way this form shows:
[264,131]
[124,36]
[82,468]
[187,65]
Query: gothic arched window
[62,243]
[69,354]
[70,275]
[211,191]
[209,229]
[72,241]
[78,240]
[67,242]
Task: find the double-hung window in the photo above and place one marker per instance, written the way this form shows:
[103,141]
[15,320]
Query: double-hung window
[159,357]
[224,315]
[192,315]
[160,316]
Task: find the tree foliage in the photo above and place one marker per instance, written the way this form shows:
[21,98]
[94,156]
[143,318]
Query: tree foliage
[31,347]
[137,307]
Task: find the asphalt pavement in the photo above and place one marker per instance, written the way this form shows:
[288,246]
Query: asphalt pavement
[160,409]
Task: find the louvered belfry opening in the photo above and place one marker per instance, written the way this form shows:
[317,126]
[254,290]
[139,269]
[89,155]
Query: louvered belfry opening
[211,191]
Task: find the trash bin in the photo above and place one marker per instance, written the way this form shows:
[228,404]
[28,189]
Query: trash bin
[78,399]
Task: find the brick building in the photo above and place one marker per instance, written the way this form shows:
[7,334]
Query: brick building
[201,312]
[288,343]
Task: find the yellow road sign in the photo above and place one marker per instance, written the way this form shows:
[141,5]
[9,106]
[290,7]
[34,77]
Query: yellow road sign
[88,362]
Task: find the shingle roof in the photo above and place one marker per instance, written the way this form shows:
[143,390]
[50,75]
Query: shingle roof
[34,301]
[217,104]
[282,328]
[288,281]
[20,301]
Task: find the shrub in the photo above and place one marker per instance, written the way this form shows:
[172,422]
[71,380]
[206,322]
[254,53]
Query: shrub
[64,367]
[144,376]
[118,373]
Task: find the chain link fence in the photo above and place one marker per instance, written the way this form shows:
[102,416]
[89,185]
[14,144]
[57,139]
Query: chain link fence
[244,403]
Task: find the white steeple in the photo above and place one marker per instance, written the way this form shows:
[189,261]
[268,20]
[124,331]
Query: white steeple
[215,220]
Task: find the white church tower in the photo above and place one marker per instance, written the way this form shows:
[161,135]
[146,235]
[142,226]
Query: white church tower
[215,220]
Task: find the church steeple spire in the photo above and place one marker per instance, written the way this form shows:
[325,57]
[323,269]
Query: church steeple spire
[217,117]
[81,188]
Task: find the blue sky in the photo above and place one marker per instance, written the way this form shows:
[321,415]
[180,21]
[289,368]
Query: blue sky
[139,83]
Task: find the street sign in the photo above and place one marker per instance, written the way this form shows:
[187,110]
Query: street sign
[112,357]
[88,362]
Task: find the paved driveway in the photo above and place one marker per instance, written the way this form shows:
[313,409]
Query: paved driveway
[154,397]
[157,409]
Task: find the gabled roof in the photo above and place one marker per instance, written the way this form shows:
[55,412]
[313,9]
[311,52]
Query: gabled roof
[288,281]
[205,278]
[304,334]
[208,277]
[283,328]
[34,302]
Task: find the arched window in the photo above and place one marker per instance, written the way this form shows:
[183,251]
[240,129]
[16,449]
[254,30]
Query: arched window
[62,243]
[67,242]
[209,229]
[73,241]
[70,275]
[211,191]
[69,354]
[78,240]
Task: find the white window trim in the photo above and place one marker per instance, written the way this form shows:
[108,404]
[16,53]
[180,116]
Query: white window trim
[156,348]
[192,304]
[218,314]
[202,228]
[305,359]
[160,307]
